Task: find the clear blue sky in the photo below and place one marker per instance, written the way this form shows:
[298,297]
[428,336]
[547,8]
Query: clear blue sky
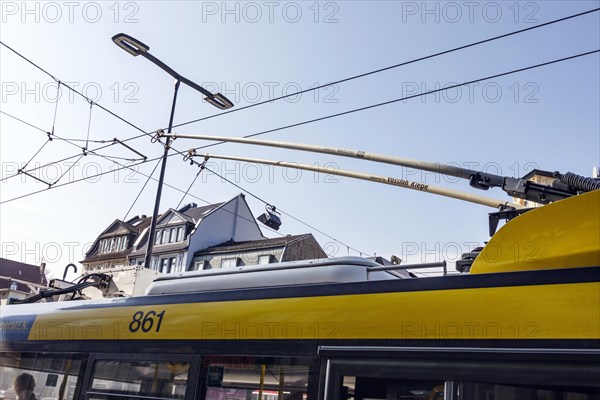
[546,118]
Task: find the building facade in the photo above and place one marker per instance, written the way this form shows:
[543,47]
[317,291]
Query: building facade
[180,233]
[221,235]
[112,248]
[19,280]
[256,252]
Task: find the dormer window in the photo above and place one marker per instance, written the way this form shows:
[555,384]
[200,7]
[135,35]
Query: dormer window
[170,235]
[230,262]
[113,244]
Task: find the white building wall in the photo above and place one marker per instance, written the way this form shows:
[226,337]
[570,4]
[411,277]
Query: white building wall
[232,221]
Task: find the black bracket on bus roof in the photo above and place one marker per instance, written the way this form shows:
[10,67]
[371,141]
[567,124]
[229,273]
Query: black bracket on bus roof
[551,188]
[507,215]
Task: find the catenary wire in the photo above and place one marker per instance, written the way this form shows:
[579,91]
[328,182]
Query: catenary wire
[415,95]
[200,169]
[144,133]
[352,111]
[54,136]
[318,87]
[36,153]
[356,110]
[120,168]
[51,136]
[391,67]
[386,103]
[372,106]
[283,212]
[73,90]
[97,259]
[94,152]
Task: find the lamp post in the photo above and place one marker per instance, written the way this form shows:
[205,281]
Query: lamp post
[137,48]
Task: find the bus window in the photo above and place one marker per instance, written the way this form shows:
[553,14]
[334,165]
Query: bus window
[38,375]
[135,379]
[488,391]
[362,388]
[253,378]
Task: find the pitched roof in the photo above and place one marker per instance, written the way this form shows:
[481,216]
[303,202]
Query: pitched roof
[198,212]
[252,244]
[22,271]
[123,228]
[117,255]
[191,215]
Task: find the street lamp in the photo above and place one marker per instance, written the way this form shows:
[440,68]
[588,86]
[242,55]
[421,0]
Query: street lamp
[137,48]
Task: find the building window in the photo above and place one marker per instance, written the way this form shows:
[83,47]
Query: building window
[265,259]
[200,265]
[229,262]
[167,265]
[172,233]
[157,237]
[163,238]
[180,234]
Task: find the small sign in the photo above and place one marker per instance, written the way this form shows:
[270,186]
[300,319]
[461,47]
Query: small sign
[215,376]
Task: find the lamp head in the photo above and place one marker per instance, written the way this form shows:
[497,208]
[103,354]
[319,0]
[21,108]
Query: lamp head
[129,44]
[270,218]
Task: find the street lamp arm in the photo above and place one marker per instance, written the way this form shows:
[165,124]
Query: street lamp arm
[137,48]
[162,66]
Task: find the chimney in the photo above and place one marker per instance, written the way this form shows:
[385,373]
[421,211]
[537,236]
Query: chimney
[42,272]
[187,207]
